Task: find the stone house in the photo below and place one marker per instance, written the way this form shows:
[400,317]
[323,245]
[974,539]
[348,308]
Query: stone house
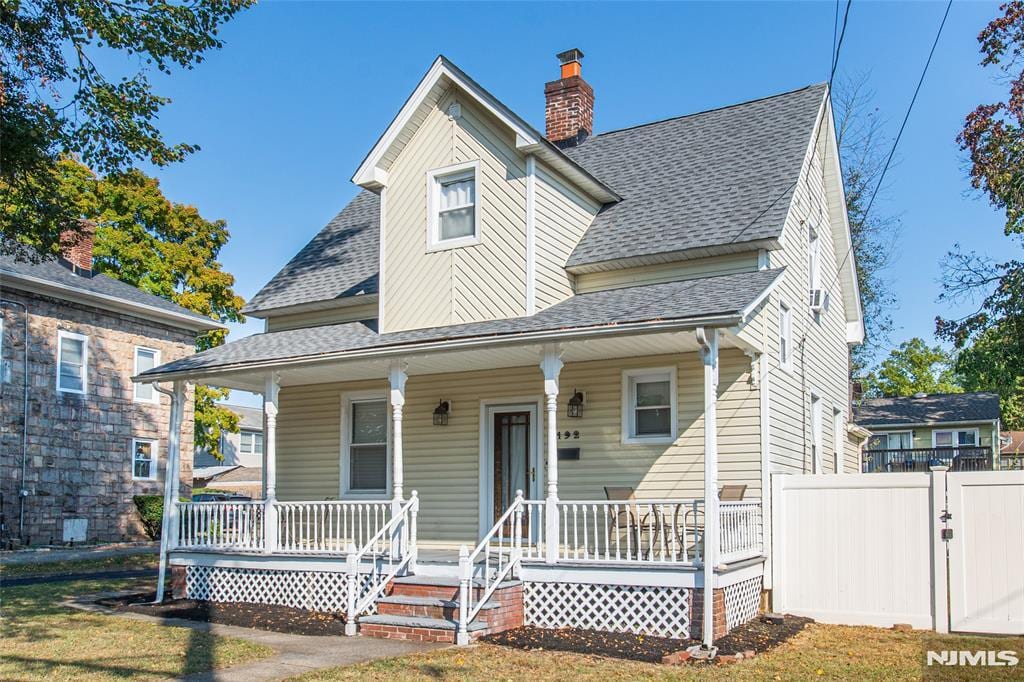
[78,438]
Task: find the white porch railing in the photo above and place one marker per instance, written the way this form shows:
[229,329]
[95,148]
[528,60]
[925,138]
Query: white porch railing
[393,548]
[221,525]
[328,527]
[741,535]
[633,531]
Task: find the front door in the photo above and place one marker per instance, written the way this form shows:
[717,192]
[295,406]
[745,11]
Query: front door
[511,459]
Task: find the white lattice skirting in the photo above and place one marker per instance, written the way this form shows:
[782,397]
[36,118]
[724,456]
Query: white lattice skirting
[742,601]
[659,611]
[312,590]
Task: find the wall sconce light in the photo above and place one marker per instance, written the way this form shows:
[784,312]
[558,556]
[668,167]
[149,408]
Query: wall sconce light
[441,412]
[575,404]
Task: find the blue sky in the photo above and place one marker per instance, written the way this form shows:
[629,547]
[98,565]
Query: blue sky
[300,92]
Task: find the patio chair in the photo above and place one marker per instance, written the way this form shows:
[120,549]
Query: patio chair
[732,492]
[624,523]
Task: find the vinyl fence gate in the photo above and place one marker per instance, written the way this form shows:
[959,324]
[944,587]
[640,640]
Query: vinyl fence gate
[937,550]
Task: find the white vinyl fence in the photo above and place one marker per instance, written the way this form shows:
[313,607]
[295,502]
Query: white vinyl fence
[879,549]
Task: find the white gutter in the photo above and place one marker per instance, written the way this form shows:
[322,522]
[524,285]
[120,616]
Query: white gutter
[77,295]
[457,344]
[921,425]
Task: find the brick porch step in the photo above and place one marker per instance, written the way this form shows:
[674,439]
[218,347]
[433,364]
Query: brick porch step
[426,607]
[414,628]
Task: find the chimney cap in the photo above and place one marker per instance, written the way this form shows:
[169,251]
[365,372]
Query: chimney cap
[569,56]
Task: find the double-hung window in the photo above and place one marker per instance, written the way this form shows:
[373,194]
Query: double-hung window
[962,438]
[785,337]
[649,405]
[146,359]
[365,444]
[250,442]
[453,206]
[143,459]
[72,362]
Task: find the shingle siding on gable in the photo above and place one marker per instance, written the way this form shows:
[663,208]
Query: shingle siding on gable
[485,281]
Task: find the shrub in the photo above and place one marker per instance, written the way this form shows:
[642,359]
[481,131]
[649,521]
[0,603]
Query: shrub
[151,512]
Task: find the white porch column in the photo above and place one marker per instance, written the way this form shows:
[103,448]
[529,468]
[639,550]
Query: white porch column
[397,378]
[708,339]
[270,464]
[551,365]
[169,523]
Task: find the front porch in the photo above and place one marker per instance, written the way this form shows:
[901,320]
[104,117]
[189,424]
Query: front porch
[494,510]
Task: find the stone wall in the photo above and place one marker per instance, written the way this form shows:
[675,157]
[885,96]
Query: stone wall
[78,463]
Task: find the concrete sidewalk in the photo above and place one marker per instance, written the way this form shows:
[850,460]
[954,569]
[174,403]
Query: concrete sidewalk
[48,555]
[295,654]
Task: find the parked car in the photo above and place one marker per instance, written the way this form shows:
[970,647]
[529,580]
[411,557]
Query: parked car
[221,497]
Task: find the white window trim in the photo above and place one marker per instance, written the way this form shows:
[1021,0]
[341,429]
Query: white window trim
[817,418]
[155,399]
[61,335]
[155,465]
[347,399]
[786,363]
[434,242]
[838,438]
[956,440]
[254,433]
[893,433]
[629,414]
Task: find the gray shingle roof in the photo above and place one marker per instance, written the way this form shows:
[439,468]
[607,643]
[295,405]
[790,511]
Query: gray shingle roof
[341,261]
[98,284]
[696,181]
[725,295]
[937,407]
[706,179]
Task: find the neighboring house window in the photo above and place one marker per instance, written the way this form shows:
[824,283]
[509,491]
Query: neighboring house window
[785,337]
[453,206]
[145,359]
[143,459]
[365,443]
[72,362]
[649,405]
[897,440]
[956,438]
[250,443]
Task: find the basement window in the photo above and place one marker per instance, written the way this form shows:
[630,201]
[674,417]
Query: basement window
[453,207]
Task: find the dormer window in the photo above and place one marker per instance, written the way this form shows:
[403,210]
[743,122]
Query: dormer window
[453,206]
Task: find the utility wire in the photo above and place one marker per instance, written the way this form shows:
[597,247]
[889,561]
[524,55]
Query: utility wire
[896,142]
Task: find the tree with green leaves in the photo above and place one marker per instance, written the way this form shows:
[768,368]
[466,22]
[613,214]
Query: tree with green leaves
[992,337]
[863,148]
[57,103]
[167,249]
[914,367]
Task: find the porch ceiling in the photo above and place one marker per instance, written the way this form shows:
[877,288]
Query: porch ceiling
[466,360]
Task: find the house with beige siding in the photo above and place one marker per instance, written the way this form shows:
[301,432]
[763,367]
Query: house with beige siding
[542,378]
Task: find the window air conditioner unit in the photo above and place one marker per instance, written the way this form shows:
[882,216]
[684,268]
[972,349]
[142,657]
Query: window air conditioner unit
[819,300]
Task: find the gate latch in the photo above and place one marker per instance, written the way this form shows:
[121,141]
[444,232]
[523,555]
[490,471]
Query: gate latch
[947,533]
[945,516]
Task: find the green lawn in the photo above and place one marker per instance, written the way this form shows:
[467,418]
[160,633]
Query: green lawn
[114,563]
[820,652]
[41,640]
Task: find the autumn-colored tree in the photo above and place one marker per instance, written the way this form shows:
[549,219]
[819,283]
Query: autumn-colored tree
[914,367]
[167,249]
[56,101]
[992,337]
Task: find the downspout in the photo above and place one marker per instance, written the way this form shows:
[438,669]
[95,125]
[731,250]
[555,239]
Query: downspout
[22,491]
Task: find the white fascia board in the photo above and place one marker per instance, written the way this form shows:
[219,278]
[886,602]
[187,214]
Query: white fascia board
[753,305]
[85,297]
[312,306]
[528,140]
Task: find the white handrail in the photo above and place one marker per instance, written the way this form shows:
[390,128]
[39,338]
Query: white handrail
[387,565]
[506,559]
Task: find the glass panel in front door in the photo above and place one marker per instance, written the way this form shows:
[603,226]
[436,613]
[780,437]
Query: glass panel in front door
[511,459]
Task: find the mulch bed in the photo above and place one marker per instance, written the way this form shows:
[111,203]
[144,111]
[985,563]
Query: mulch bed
[257,616]
[755,635]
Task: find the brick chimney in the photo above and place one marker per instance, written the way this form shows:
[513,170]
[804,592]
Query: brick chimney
[76,248]
[569,111]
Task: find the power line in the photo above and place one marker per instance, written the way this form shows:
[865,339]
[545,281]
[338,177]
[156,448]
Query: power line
[896,142]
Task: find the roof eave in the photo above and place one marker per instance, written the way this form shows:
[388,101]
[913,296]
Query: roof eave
[85,297]
[311,306]
[648,327]
[769,243]
[528,140]
[924,424]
